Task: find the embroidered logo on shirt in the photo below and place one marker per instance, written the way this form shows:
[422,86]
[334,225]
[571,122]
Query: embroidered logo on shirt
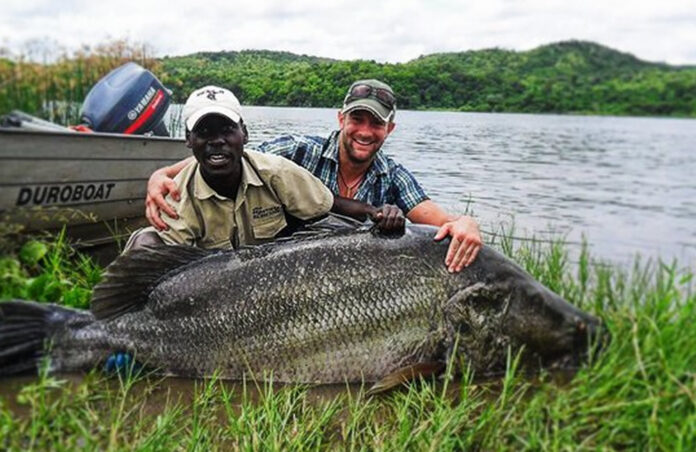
[264,212]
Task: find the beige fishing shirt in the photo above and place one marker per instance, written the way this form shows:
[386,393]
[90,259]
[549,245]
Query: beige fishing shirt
[271,187]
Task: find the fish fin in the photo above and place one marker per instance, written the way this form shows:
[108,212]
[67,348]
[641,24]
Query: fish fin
[25,326]
[334,222]
[330,224]
[406,374]
[129,279]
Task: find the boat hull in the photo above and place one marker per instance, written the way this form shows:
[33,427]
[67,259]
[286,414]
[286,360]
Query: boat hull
[94,184]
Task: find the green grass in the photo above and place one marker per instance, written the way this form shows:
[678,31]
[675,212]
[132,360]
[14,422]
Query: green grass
[639,394]
[48,270]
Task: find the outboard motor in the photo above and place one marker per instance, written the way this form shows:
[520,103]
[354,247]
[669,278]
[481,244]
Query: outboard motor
[129,100]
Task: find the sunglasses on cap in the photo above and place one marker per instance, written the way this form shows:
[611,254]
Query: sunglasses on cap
[383,96]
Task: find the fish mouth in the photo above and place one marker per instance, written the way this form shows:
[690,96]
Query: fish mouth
[591,337]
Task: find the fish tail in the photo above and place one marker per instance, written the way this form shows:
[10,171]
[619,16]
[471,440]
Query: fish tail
[25,327]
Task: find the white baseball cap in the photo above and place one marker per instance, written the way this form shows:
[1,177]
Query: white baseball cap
[211,100]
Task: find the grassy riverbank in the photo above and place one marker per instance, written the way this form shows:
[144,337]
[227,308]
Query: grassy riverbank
[640,394]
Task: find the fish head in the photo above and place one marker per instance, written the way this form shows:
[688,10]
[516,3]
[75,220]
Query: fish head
[499,308]
[556,333]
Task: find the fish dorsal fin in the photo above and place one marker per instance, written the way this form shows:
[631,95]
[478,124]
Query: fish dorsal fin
[130,278]
[331,224]
[406,374]
[336,222]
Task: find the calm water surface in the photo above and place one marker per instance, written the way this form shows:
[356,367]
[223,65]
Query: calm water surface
[627,184]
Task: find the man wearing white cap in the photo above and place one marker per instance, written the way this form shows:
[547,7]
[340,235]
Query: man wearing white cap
[231,197]
[351,163]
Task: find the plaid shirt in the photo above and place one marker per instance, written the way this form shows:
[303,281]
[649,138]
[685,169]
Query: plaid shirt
[386,182]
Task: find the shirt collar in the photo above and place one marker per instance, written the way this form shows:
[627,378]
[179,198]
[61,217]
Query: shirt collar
[379,165]
[249,174]
[331,149]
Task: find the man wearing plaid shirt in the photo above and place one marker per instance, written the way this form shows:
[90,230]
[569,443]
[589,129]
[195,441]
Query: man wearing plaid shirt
[351,164]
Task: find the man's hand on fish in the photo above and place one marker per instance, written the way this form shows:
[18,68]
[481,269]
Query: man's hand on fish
[463,230]
[465,242]
[389,219]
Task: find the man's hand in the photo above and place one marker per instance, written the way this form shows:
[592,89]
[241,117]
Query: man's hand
[466,238]
[389,219]
[158,186]
[465,245]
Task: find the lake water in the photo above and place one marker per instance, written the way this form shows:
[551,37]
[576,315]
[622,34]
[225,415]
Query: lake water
[626,184]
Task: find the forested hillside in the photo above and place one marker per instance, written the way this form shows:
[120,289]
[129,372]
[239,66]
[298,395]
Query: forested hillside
[566,77]
[572,76]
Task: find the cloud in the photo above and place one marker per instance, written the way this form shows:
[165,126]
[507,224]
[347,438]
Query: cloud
[388,30]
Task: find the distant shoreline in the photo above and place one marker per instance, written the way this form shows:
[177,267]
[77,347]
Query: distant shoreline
[570,77]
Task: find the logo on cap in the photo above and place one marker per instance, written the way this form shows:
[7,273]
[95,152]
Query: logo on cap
[211,93]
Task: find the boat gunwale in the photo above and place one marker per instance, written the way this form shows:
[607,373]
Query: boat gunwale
[87,135]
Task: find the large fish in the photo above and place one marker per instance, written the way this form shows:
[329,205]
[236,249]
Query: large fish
[336,307]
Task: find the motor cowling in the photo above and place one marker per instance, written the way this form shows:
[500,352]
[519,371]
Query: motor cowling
[128,100]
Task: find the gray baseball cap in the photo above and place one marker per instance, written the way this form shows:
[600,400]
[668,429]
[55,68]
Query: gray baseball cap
[372,95]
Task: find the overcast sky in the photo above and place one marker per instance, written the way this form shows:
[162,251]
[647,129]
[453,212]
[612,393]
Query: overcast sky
[382,30]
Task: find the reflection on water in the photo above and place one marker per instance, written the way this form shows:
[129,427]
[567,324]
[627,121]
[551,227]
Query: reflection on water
[627,184]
